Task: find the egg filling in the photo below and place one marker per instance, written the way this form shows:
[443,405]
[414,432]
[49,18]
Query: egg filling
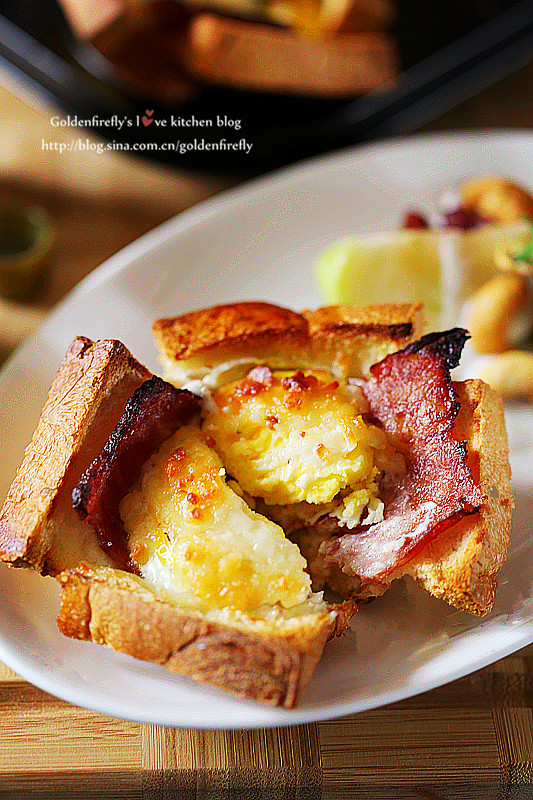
[192,536]
[299,440]
[293,445]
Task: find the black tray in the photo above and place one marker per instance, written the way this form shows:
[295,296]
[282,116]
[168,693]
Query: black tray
[450,51]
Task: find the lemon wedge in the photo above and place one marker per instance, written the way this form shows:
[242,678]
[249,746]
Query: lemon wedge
[440,268]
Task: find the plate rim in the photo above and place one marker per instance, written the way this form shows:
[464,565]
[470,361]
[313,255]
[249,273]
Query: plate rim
[217,203]
[172,228]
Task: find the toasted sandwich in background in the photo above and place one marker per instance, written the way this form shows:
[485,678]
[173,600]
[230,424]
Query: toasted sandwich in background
[333,48]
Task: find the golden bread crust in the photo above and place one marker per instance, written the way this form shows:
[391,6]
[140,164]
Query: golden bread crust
[113,608]
[460,565]
[84,402]
[239,324]
[344,339]
[349,339]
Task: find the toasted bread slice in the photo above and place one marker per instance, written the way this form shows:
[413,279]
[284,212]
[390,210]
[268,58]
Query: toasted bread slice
[218,343]
[264,656]
[459,565]
[260,660]
[254,56]
[38,526]
[321,48]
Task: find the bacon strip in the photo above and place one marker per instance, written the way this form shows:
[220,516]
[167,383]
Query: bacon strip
[411,395]
[151,415]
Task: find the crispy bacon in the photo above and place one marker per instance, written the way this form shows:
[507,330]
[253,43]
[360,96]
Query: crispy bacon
[258,380]
[299,382]
[152,414]
[411,395]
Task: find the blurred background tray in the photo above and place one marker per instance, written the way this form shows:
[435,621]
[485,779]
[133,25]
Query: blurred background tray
[449,51]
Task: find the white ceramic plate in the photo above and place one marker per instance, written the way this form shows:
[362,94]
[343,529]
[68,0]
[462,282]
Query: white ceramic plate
[258,242]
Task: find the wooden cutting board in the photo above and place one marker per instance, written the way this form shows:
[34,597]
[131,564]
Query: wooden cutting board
[471,740]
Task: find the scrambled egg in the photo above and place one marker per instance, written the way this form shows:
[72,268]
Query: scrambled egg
[298,438]
[191,534]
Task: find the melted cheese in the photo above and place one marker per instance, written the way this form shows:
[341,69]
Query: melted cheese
[298,438]
[196,539]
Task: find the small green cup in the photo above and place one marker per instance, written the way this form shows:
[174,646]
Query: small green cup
[26,239]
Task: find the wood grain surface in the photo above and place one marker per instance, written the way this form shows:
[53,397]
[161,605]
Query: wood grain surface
[471,739]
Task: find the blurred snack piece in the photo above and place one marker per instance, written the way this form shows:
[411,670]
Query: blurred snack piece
[247,55]
[497,199]
[500,313]
[26,240]
[165,50]
[496,311]
[510,374]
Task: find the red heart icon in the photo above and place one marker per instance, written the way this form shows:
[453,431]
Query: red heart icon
[147,120]
[149,113]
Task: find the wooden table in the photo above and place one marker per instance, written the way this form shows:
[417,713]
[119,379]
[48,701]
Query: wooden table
[470,740]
